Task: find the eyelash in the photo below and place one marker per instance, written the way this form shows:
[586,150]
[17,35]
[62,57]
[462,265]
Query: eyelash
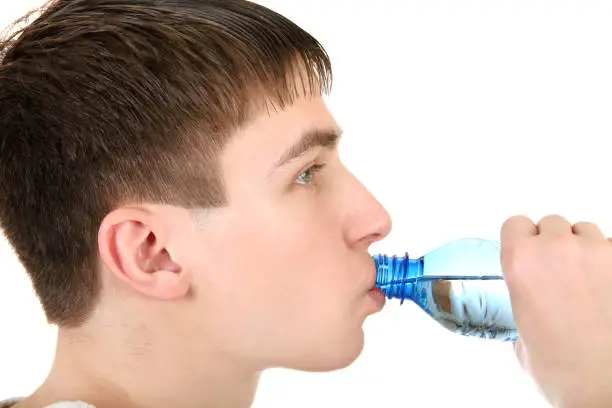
[314,170]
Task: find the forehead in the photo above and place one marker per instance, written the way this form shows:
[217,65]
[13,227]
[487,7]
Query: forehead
[269,133]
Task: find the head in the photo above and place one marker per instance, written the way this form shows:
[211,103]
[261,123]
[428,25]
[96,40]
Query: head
[173,164]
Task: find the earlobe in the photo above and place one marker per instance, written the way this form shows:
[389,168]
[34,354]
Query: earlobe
[133,250]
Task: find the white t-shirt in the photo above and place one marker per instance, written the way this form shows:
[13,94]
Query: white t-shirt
[62,404]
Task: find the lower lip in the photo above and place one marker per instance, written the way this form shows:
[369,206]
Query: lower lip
[378,296]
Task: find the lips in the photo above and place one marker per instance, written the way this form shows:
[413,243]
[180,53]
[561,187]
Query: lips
[372,281]
[378,296]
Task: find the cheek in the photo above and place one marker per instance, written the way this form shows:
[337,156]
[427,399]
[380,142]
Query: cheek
[280,282]
[283,260]
[286,243]
[300,270]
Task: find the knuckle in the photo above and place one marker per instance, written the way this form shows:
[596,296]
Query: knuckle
[561,248]
[584,225]
[561,242]
[515,219]
[552,217]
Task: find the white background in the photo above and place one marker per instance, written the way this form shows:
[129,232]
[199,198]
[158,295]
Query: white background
[457,114]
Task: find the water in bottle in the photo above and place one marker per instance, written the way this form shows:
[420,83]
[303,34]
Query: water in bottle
[460,285]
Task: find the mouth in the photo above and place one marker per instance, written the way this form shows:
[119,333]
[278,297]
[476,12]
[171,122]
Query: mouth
[374,291]
[374,278]
[378,297]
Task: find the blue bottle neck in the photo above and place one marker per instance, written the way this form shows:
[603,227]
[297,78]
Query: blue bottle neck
[397,276]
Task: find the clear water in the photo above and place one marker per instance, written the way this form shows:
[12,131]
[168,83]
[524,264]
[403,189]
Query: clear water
[477,307]
[460,285]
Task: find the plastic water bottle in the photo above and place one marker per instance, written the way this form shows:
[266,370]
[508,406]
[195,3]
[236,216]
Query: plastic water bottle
[460,285]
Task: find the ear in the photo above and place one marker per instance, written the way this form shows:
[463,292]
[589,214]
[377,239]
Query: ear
[132,246]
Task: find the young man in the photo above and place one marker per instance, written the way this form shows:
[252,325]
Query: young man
[169,177]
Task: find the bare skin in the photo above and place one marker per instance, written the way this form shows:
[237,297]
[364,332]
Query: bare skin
[559,276]
[196,304]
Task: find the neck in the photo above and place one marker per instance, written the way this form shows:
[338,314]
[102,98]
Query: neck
[109,370]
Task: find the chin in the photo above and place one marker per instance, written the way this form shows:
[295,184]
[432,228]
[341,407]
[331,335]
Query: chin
[334,356]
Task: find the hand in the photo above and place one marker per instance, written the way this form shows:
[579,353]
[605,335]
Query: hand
[560,281]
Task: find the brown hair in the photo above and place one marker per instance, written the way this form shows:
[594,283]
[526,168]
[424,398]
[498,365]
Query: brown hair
[105,102]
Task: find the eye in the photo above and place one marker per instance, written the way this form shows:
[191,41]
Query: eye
[307,176]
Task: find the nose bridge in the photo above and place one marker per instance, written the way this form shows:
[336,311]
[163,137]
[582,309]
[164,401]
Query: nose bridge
[366,220]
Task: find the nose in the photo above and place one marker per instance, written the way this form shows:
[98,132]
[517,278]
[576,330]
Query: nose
[367,221]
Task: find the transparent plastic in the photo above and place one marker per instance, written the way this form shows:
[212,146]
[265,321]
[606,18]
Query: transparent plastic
[460,285]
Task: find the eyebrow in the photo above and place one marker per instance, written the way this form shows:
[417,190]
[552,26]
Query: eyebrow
[312,138]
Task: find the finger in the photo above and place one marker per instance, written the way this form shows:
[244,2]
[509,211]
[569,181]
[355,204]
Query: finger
[554,225]
[588,230]
[516,228]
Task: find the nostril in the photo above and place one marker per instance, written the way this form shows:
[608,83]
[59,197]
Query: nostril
[376,236]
